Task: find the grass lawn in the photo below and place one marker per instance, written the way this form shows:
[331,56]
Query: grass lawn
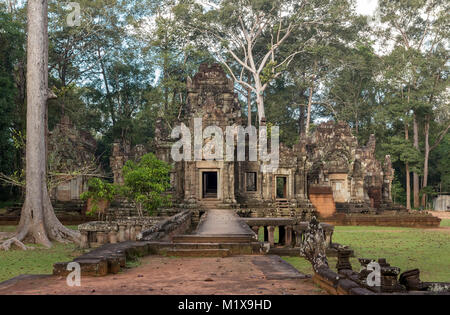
[37,261]
[445,222]
[406,248]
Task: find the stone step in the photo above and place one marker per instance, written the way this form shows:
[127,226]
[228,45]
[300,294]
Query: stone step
[198,252]
[234,248]
[236,238]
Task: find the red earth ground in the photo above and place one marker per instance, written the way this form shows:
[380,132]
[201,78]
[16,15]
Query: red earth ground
[191,276]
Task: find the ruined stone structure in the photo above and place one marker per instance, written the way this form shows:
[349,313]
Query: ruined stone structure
[121,153]
[328,167]
[341,172]
[330,157]
[70,150]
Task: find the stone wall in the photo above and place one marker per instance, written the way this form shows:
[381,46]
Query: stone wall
[70,150]
[395,219]
[97,233]
[164,230]
[121,153]
[322,199]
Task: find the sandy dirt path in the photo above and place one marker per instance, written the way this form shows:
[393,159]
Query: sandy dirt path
[193,276]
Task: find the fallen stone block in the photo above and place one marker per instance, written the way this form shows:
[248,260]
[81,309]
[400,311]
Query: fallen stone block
[360,291]
[345,285]
[90,267]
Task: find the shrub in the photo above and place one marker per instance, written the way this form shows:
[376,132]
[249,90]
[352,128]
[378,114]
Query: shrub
[146,183]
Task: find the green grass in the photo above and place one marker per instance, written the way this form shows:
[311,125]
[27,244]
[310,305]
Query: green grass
[445,222]
[406,248]
[38,261]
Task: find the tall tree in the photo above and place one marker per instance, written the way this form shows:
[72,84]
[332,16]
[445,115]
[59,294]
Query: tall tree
[38,222]
[252,33]
[418,30]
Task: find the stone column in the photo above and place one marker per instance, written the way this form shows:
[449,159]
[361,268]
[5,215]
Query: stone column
[122,233]
[288,235]
[138,230]
[101,237]
[84,240]
[271,230]
[127,232]
[132,233]
[298,238]
[112,236]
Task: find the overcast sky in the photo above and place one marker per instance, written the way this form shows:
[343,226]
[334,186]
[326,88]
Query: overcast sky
[366,7]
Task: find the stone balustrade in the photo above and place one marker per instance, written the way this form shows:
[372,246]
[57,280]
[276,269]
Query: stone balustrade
[98,233]
[290,230]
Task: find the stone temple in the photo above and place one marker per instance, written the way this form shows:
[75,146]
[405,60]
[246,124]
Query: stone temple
[326,172]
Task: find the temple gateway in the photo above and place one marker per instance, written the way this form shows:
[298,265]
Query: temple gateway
[326,171]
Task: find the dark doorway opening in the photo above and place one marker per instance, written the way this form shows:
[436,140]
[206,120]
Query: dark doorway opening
[281,187]
[210,185]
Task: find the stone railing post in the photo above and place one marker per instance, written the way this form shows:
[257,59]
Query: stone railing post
[112,236]
[132,232]
[138,230]
[122,232]
[127,232]
[288,235]
[101,237]
[84,240]
[271,230]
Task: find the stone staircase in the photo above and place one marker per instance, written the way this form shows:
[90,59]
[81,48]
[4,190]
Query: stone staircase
[209,245]
[220,234]
[210,203]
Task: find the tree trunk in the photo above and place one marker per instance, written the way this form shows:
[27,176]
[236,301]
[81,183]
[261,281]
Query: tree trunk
[416,176]
[38,222]
[408,179]
[311,91]
[425,163]
[259,99]
[249,106]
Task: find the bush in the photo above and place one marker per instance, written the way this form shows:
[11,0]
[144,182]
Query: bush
[98,192]
[146,183]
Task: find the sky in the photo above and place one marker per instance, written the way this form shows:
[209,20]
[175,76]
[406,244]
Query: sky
[366,7]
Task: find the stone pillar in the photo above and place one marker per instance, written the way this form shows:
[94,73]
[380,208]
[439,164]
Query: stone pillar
[101,237]
[127,232]
[122,233]
[271,230]
[84,240]
[288,236]
[298,238]
[132,233]
[343,262]
[112,236]
[138,230]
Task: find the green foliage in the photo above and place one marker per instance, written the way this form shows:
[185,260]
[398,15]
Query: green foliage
[99,190]
[147,182]
[439,167]
[403,150]
[398,192]
[11,50]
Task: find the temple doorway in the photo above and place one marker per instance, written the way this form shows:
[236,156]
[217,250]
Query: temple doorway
[281,187]
[209,185]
